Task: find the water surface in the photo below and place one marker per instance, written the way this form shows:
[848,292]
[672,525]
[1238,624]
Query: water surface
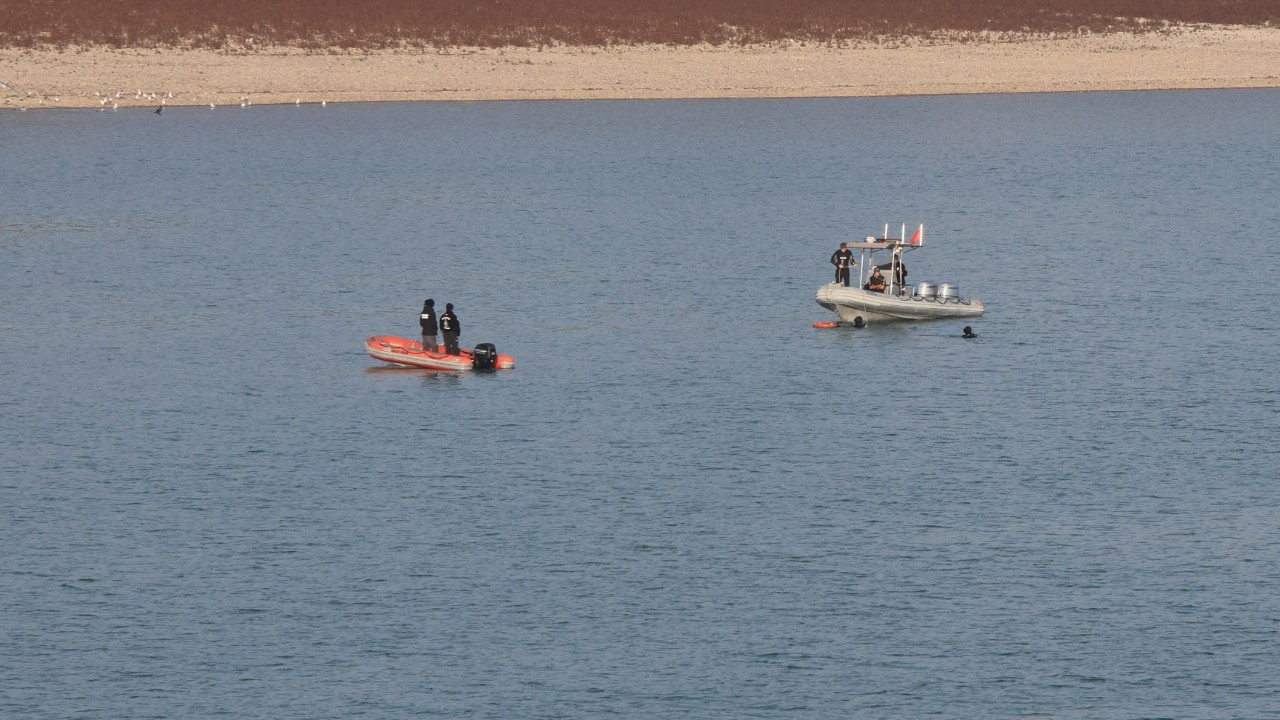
[684,501]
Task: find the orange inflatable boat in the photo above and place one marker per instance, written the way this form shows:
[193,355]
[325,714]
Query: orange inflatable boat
[400,351]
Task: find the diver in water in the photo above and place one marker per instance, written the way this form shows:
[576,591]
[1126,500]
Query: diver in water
[969,333]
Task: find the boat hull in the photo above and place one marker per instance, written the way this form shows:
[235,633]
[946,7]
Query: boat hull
[852,303]
[399,351]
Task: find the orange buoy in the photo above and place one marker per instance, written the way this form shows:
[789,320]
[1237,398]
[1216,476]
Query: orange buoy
[826,324]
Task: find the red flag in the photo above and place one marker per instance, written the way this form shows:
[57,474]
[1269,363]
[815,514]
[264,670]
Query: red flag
[918,238]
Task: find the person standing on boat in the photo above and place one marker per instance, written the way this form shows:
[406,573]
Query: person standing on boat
[451,329]
[843,260]
[899,271]
[428,322]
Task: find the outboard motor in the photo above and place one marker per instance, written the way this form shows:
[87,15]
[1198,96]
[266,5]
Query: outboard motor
[484,357]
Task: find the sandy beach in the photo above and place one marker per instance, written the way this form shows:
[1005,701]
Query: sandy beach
[1205,57]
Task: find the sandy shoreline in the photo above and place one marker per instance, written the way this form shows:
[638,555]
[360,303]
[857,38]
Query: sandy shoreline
[1215,57]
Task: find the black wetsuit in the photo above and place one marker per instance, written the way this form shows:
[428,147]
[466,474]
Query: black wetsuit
[428,322]
[451,329]
[842,259]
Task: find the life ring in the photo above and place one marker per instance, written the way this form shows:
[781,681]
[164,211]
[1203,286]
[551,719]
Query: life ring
[825,325]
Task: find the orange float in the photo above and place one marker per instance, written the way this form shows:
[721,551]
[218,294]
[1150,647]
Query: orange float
[826,324]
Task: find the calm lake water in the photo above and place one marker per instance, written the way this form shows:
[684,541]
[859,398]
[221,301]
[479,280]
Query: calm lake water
[684,502]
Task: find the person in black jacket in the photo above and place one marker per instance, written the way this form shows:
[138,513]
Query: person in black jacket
[843,260]
[875,283]
[428,322]
[451,329]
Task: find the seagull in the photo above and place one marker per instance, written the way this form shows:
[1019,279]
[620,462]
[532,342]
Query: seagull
[297,101]
[323,103]
[211,106]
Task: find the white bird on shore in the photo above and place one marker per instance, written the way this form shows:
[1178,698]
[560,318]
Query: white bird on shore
[323,103]
[297,101]
[210,106]
[115,106]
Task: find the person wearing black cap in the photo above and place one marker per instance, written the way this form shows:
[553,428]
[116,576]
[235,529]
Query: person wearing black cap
[428,322]
[451,329]
[843,260]
[875,283]
[969,333]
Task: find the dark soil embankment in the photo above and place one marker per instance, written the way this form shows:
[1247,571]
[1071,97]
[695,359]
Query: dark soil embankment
[376,24]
